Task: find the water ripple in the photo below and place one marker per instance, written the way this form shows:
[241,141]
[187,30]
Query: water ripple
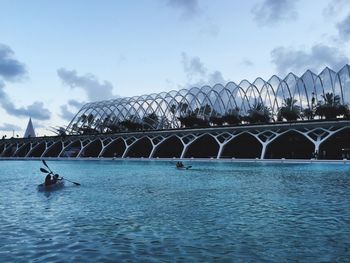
[151,212]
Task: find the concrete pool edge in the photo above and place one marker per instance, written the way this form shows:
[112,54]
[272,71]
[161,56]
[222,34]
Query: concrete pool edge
[296,161]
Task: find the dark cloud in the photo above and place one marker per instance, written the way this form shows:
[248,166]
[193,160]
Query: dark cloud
[344,28]
[9,127]
[197,74]
[188,8]
[35,110]
[68,111]
[269,12]
[89,83]
[10,68]
[298,61]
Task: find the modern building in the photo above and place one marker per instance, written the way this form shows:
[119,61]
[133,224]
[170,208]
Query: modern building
[297,117]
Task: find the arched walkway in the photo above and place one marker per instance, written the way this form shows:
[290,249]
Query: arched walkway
[243,146]
[2,147]
[9,152]
[336,147]
[141,148]
[204,147]
[171,147]
[115,149]
[93,149]
[37,150]
[71,150]
[23,150]
[290,145]
[54,150]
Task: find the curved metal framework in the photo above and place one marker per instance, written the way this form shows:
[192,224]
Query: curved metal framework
[161,111]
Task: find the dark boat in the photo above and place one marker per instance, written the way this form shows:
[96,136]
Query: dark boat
[52,187]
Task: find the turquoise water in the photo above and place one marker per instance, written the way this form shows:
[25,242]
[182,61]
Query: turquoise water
[152,212]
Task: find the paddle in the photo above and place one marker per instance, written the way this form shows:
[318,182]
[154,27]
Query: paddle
[46,171]
[45,165]
[188,167]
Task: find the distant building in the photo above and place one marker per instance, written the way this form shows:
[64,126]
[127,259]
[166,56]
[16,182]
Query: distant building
[30,133]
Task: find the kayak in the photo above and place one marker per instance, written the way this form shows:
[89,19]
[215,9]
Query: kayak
[51,187]
[184,167]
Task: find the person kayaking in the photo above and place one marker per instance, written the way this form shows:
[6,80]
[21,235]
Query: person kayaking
[56,178]
[179,165]
[48,180]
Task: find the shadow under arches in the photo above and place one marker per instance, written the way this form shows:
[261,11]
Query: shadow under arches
[169,148]
[290,145]
[10,150]
[54,150]
[93,149]
[336,147]
[141,148]
[243,145]
[23,150]
[116,148]
[37,150]
[204,146]
[72,149]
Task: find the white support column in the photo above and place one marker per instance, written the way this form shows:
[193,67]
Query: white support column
[64,147]
[221,147]
[186,146]
[155,147]
[81,148]
[127,147]
[263,150]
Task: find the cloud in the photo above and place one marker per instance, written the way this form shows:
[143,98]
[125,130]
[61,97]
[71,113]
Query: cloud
[269,12]
[66,114]
[68,111]
[298,61]
[76,104]
[89,83]
[9,127]
[344,28]
[192,66]
[189,8]
[35,110]
[335,7]
[210,28]
[197,74]
[10,68]
[247,62]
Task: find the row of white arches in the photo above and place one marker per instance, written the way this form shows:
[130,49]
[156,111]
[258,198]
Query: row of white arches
[216,100]
[253,143]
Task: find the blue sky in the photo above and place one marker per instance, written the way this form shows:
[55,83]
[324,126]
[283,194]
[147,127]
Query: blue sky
[56,55]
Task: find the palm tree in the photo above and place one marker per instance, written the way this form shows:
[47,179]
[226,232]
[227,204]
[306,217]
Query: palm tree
[90,119]
[289,110]
[151,121]
[192,120]
[216,119]
[232,116]
[259,113]
[331,107]
[308,113]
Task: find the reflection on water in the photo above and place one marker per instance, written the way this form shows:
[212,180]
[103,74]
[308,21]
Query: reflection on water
[151,212]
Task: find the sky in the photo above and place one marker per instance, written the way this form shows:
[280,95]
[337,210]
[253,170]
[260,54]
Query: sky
[57,55]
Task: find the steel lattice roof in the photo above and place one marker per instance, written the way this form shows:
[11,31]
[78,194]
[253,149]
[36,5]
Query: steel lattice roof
[167,106]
